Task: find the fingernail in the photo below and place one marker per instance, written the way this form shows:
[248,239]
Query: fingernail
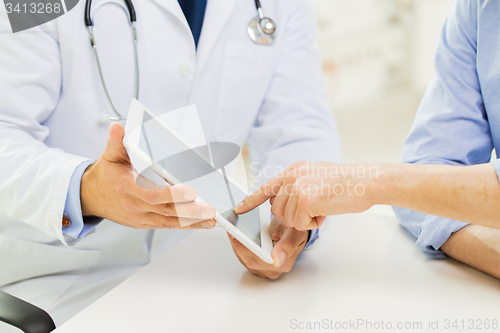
[207,225]
[207,215]
[280,259]
[238,207]
[190,196]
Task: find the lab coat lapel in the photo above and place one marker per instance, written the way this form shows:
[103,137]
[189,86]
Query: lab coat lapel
[175,9]
[216,16]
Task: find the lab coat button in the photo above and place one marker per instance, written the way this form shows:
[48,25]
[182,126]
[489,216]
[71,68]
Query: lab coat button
[66,222]
[184,70]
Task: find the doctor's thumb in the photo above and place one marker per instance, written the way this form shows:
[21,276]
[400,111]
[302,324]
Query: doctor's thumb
[115,150]
[284,245]
[280,253]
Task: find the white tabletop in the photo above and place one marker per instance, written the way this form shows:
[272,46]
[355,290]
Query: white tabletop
[364,267]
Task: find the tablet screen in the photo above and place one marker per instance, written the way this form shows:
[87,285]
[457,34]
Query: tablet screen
[193,167]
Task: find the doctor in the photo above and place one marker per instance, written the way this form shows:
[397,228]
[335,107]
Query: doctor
[63,170]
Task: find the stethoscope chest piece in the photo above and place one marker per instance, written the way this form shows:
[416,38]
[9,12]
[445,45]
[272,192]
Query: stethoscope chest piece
[262,30]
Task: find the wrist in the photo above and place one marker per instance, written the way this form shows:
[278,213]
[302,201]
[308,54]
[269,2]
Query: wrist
[86,192]
[381,187]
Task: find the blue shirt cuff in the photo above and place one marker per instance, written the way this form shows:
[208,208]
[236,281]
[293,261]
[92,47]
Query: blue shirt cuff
[313,237]
[79,227]
[496,165]
[431,231]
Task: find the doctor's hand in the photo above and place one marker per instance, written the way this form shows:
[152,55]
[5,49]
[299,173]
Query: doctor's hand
[109,190]
[305,193]
[287,245]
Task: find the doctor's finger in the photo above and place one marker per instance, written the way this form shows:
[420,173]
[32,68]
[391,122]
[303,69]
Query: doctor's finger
[145,183]
[194,210]
[266,191]
[167,194]
[157,221]
[206,224]
[276,229]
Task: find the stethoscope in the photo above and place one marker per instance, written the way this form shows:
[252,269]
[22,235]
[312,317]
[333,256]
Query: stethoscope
[261,29]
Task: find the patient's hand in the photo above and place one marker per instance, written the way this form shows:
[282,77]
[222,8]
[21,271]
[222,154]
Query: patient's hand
[476,246]
[288,243]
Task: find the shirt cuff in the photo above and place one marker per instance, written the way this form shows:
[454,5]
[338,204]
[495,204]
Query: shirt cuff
[313,237]
[79,226]
[496,165]
[431,231]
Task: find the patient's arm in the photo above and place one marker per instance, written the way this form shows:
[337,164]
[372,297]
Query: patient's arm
[477,246]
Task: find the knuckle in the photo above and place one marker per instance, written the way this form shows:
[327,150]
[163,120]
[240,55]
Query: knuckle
[172,193]
[141,224]
[168,223]
[303,171]
[298,164]
[298,168]
[273,275]
[252,264]
[257,273]
[292,178]
[145,226]
[167,210]
[301,182]
[275,236]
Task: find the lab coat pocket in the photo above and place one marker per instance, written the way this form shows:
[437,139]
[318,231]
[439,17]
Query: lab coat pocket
[21,259]
[247,74]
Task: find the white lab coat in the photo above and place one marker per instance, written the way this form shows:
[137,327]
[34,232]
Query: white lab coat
[51,98]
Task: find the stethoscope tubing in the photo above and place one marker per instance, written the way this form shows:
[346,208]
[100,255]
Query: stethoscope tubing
[255,34]
[88,9]
[89,22]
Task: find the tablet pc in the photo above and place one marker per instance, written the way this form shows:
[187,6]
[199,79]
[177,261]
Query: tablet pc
[160,148]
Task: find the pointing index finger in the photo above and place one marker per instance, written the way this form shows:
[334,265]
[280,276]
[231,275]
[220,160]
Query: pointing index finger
[261,195]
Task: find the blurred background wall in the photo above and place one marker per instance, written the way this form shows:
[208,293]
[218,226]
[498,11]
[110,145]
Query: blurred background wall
[378,59]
